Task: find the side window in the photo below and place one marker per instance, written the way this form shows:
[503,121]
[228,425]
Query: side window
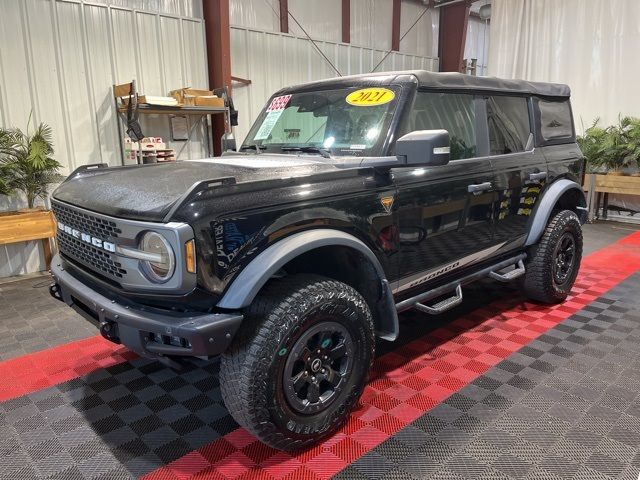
[554,119]
[508,122]
[453,112]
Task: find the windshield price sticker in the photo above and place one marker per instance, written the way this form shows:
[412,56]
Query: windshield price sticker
[275,109]
[279,103]
[367,97]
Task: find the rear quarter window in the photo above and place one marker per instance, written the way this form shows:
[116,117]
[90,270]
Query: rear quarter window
[554,122]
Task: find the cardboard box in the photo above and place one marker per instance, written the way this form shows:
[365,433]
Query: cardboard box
[189,96]
[209,101]
[141,99]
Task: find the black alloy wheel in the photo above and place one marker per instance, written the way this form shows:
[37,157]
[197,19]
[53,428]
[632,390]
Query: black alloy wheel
[564,255]
[318,367]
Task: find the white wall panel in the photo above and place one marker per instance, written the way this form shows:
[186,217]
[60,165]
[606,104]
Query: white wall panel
[322,20]
[422,39]
[371,23]
[260,14]
[58,62]
[184,8]
[273,60]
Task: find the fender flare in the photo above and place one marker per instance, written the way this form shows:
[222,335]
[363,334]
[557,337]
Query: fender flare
[542,211]
[255,275]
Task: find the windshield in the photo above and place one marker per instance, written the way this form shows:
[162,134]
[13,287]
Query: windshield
[346,121]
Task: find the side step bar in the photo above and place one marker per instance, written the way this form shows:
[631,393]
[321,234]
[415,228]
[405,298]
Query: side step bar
[417,301]
[443,305]
[511,274]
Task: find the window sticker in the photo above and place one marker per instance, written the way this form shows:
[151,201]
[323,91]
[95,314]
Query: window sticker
[368,97]
[275,109]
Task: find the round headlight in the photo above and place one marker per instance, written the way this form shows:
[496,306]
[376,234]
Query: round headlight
[160,268]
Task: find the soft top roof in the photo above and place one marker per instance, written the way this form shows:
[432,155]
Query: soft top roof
[444,81]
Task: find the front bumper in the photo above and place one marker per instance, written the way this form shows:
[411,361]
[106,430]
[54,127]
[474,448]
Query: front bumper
[148,331]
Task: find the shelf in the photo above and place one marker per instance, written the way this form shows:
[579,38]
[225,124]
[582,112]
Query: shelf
[146,109]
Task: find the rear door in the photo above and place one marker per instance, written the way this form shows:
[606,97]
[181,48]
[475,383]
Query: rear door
[444,213]
[521,170]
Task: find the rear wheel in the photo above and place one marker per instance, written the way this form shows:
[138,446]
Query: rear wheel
[553,264]
[299,361]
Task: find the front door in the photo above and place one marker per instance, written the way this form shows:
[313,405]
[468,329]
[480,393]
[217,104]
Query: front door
[444,213]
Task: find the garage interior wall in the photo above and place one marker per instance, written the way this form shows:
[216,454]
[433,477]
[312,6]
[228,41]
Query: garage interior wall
[272,60]
[66,54]
[58,61]
[592,46]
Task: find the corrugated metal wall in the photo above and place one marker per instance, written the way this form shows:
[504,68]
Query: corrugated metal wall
[58,61]
[273,60]
[370,22]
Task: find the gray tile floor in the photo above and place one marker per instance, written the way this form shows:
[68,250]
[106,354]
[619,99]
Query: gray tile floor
[30,320]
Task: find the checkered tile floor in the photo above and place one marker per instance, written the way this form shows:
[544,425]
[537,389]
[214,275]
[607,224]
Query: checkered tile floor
[567,405]
[30,321]
[501,389]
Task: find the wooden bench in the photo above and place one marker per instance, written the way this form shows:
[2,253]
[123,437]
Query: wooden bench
[600,186]
[18,227]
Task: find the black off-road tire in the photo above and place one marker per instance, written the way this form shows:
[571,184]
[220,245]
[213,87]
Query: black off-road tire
[252,371]
[540,282]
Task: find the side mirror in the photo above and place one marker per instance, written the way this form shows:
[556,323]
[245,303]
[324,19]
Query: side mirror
[424,147]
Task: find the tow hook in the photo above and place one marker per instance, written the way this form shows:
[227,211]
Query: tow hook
[109,330]
[54,291]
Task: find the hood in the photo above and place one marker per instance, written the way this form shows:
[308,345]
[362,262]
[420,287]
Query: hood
[147,192]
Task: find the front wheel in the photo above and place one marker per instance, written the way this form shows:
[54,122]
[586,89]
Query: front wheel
[553,263]
[299,362]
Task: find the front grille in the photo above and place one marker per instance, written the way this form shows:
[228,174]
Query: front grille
[95,258]
[85,222]
[89,255]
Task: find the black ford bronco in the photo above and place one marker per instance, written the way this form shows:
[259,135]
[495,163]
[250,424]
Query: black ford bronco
[350,200]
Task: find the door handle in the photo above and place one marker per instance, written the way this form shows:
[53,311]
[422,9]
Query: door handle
[478,188]
[538,176]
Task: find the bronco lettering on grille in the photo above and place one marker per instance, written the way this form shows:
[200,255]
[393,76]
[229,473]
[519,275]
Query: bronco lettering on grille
[85,237]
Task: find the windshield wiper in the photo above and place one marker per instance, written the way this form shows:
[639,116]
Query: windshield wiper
[322,151]
[253,146]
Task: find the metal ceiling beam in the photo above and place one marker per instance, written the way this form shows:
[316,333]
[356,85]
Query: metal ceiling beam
[454,17]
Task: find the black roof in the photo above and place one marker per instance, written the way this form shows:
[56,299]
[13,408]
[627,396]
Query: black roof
[446,81]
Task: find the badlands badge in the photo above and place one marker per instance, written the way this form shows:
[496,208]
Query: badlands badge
[387,203]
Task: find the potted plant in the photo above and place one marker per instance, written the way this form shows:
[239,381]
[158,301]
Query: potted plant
[27,163]
[613,150]
[27,166]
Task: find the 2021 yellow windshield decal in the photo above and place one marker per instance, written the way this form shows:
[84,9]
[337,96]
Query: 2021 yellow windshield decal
[367,97]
